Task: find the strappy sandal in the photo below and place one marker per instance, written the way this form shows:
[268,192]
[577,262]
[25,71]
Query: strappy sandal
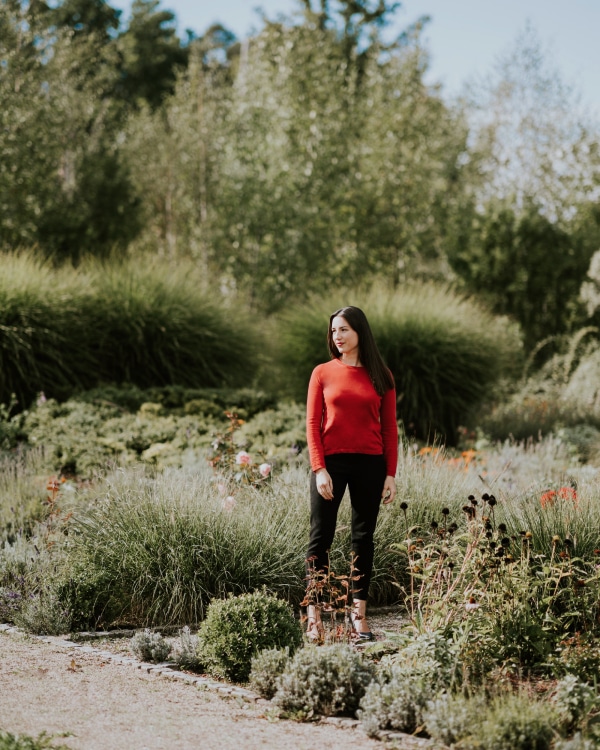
[361,636]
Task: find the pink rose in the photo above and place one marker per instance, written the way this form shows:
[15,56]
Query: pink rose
[264,469]
[243,458]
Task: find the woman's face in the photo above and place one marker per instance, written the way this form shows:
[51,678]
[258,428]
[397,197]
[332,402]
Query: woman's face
[344,337]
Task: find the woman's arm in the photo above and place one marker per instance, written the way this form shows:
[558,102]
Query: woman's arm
[315,403]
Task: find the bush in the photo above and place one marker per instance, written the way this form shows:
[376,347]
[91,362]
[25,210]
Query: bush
[398,699]
[149,646]
[43,613]
[577,655]
[444,350]
[158,549]
[237,628]
[155,325]
[324,680]
[513,722]
[575,699]
[186,652]
[449,718]
[267,666]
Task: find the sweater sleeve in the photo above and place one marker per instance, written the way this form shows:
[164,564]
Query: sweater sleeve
[389,431]
[315,403]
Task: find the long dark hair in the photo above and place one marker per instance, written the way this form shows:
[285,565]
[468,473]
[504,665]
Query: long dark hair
[368,353]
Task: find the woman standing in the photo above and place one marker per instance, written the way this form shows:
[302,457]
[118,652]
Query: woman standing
[352,438]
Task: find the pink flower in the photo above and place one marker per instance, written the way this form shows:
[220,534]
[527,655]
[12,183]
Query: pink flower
[243,458]
[264,469]
[229,503]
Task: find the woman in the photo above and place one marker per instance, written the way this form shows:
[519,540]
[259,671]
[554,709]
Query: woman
[352,438]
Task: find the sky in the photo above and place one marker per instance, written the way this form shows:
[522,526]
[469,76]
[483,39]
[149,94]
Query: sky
[464,37]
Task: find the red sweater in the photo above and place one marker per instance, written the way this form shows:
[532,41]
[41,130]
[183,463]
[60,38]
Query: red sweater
[345,414]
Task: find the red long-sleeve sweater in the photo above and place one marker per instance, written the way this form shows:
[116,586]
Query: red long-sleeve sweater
[345,414]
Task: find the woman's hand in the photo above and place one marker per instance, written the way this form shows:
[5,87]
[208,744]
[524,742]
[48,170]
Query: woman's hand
[324,484]
[389,490]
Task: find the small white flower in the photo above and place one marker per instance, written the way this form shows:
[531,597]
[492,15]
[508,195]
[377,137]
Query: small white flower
[243,458]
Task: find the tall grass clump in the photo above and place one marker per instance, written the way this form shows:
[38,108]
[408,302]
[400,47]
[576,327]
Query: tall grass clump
[160,324]
[156,550]
[39,330]
[445,351]
[64,329]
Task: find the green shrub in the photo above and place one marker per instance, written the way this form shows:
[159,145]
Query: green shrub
[323,680]
[513,722]
[237,628]
[152,325]
[158,548]
[159,324]
[149,646]
[40,344]
[396,701]
[186,651]
[43,613]
[575,699]
[577,655]
[449,718]
[445,351]
[267,666]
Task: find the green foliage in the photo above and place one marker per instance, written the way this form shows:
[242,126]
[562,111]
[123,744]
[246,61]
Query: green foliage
[160,548]
[151,53]
[506,598]
[513,721]
[150,326]
[43,741]
[579,656]
[530,268]
[412,677]
[270,193]
[267,666]
[575,698]
[323,681]
[236,629]
[186,651]
[449,717]
[43,613]
[444,351]
[506,721]
[396,702]
[149,646]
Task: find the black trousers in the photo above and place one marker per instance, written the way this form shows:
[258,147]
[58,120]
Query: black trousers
[364,475]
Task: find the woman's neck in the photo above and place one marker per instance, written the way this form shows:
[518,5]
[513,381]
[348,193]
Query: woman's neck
[351,360]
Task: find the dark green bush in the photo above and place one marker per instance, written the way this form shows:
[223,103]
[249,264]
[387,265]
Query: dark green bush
[324,680]
[63,330]
[236,629]
[445,351]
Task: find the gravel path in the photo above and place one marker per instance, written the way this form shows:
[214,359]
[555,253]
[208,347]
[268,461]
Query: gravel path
[92,703]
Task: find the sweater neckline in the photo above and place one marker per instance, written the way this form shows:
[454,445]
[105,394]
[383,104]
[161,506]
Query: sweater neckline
[352,367]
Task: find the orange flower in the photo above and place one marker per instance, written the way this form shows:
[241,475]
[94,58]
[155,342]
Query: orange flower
[548,498]
[564,493]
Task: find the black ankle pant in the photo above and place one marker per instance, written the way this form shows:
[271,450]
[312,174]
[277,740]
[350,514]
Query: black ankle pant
[364,475]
